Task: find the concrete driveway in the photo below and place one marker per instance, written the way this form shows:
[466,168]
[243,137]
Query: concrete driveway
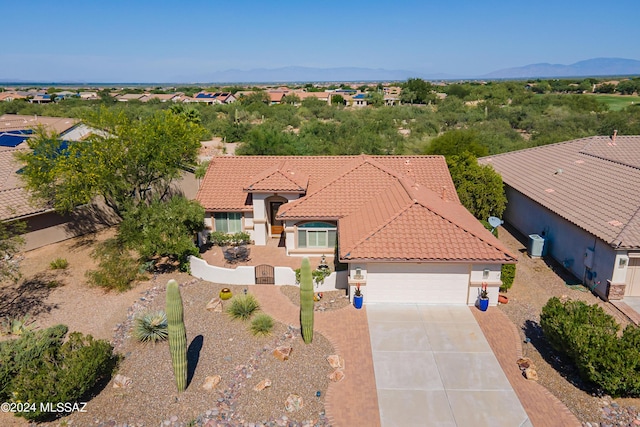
[434,367]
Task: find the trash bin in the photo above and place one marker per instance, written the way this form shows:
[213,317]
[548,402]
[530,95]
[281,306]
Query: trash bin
[536,246]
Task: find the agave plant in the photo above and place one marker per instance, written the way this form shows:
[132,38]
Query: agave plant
[151,327]
[16,326]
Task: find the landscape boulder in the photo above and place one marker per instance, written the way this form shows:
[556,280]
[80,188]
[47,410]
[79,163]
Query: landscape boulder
[282,352]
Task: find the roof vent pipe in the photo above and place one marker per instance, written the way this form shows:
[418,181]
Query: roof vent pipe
[444,193]
[613,138]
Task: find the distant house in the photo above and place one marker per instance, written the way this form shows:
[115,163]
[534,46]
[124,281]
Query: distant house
[581,197]
[359,100]
[395,220]
[162,97]
[275,97]
[322,96]
[11,96]
[41,99]
[214,97]
[130,97]
[90,95]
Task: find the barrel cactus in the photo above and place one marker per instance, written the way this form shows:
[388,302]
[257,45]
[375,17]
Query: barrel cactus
[177,334]
[306,301]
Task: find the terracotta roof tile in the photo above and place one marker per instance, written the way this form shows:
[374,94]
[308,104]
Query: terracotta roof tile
[387,207]
[281,178]
[594,180]
[15,201]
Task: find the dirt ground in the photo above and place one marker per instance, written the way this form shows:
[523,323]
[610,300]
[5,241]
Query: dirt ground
[536,281]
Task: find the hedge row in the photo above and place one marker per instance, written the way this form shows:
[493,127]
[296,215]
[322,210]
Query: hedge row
[589,337]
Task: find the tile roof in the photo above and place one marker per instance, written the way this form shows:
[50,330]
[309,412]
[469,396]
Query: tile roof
[15,201]
[591,182]
[387,207]
[10,122]
[280,178]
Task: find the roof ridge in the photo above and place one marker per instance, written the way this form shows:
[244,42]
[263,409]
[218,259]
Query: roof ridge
[617,238]
[539,147]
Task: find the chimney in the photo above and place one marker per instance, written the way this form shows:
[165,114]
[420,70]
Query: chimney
[613,138]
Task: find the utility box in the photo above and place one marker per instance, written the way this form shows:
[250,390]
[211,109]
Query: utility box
[536,246]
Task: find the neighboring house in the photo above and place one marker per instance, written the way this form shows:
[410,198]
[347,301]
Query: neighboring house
[582,198]
[162,97]
[44,226]
[322,96]
[41,99]
[275,97]
[395,220]
[214,97]
[10,96]
[130,97]
[91,95]
[359,100]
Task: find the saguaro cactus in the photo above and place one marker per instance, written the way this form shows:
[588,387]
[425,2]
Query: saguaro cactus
[306,301]
[177,334]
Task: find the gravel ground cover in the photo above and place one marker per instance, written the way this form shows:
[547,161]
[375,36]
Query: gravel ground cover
[330,300]
[220,346]
[536,281]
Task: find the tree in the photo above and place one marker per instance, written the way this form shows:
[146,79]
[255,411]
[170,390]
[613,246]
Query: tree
[125,161]
[456,142]
[479,187]
[10,242]
[144,229]
[417,90]
[337,100]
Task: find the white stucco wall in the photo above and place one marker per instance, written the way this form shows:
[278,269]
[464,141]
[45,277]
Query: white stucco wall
[564,241]
[227,276]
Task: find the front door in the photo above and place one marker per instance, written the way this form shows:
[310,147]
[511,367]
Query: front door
[276,225]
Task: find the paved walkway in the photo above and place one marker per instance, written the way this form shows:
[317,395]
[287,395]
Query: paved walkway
[354,400]
[630,307]
[543,408]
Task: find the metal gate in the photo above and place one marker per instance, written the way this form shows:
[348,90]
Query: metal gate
[264,275]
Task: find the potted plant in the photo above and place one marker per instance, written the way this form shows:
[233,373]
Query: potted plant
[483,298]
[357,297]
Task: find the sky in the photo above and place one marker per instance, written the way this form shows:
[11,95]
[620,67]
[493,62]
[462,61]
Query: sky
[187,41]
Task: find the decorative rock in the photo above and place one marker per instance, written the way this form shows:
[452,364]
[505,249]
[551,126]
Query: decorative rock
[293,403]
[336,376]
[215,305]
[282,352]
[211,382]
[120,381]
[531,374]
[336,362]
[263,384]
[524,363]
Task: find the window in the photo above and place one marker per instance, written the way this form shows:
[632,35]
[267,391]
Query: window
[228,222]
[316,235]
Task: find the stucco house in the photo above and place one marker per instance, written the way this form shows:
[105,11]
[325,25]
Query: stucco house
[582,198]
[396,221]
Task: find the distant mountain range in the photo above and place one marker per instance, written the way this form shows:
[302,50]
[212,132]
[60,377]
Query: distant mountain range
[588,68]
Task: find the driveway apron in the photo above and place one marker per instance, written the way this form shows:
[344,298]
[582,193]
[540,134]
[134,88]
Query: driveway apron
[434,367]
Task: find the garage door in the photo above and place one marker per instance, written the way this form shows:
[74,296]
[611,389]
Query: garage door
[417,283]
[633,278]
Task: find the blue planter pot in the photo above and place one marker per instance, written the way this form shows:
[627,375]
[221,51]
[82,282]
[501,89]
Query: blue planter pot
[357,301]
[483,304]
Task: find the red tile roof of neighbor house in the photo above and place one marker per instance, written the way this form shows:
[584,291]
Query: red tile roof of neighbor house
[591,182]
[388,208]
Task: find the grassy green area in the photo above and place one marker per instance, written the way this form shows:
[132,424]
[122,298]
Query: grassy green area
[617,102]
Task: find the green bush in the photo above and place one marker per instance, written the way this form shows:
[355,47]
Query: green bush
[220,238]
[589,337]
[507,275]
[318,275]
[117,269]
[16,326]
[243,306]
[151,327]
[262,324]
[59,264]
[39,368]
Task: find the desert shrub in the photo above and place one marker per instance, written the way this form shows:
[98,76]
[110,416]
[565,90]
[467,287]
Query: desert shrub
[589,337]
[219,238]
[18,354]
[59,264]
[318,275]
[38,367]
[507,275]
[117,269]
[16,326]
[262,324]
[243,306]
[151,327]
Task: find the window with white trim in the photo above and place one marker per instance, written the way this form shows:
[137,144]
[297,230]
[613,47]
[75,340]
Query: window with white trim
[228,222]
[316,235]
